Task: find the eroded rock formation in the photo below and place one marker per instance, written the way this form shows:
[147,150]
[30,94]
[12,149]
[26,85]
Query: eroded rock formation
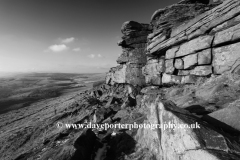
[189,40]
[205,45]
[133,58]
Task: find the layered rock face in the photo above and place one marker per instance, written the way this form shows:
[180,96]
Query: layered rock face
[133,58]
[205,45]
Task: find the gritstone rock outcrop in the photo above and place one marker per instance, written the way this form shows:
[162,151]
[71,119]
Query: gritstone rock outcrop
[193,41]
[187,42]
[184,42]
[133,58]
[205,45]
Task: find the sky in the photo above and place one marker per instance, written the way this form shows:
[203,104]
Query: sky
[68,36]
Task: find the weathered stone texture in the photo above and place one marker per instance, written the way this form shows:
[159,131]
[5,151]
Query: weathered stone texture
[133,58]
[129,27]
[169,66]
[229,116]
[167,78]
[174,15]
[137,55]
[134,74]
[202,70]
[153,79]
[154,67]
[205,57]
[202,46]
[190,61]
[183,72]
[199,25]
[136,40]
[228,35]
[226,58]
[179,63]
[189,79]
[194,45]
[118,74]
[183,143]
[171,53]
[227,24]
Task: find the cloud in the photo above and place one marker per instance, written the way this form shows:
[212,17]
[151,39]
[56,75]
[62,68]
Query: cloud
[77,49]
[68,40]
[91,56]
[57,47]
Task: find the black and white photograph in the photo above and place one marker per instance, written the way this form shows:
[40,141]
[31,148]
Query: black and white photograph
[119,79]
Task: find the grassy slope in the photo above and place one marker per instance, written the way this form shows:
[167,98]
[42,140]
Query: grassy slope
[24,89]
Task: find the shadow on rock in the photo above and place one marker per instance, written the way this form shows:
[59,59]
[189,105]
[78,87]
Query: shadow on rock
[120,145]
[197,109]
[85,145]
[223,126]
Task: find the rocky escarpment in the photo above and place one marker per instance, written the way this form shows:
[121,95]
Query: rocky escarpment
[133,58]
[34,135]
[192,42]
[198,46]
[184,42]
[205,45]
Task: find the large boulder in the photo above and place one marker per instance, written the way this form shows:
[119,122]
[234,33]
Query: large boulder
[190,139]
[228,116]
[132,26]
